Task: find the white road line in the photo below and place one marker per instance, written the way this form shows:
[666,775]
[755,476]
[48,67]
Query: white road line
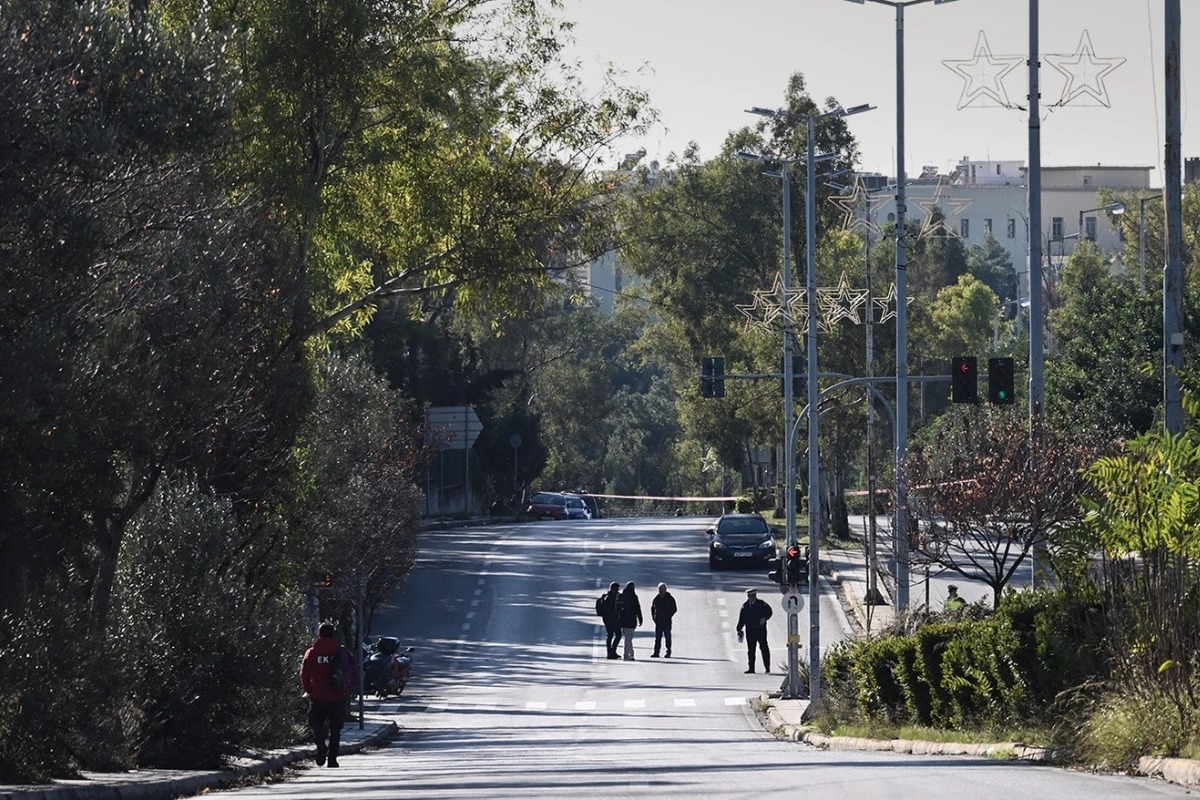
[720,601]
[685,702]
[475,603]
[478,592]
[466,627]
[635,704]
[533,706]
[469,615]
[585,705]
[735,701]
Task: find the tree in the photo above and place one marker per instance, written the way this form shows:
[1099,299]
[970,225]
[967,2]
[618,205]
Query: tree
[991,264]
[987,493]
[1104,373]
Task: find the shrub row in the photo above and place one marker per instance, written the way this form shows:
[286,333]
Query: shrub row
[968,673]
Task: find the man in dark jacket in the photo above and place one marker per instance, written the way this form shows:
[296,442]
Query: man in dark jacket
[629,610]
[662,608]
[606,607]
[753,619]
[326,674]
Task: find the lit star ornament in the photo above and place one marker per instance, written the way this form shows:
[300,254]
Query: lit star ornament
[983,75]
[1084,72]
[951,207]
[859,208]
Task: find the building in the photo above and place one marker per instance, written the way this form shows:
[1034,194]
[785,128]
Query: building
[982,197]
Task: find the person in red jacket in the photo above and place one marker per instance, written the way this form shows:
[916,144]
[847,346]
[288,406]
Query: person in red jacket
[326,674]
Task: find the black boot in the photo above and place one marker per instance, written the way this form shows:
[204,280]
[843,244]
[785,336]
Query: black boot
[334,747]
[319,738]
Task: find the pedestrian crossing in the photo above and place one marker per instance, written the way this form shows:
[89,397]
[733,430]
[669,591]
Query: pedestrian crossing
[468,705]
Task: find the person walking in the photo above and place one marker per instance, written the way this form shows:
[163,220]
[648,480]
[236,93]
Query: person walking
[326,675]
[662,608]
[753,620]
[606,607]
[629,611]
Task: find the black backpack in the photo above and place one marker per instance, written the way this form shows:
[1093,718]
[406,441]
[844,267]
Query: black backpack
[600,605]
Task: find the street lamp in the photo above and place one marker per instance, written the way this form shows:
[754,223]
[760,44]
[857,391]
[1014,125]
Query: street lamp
[899,521]
[1142,240]
[814,497]
[1017,304]
[1115,208]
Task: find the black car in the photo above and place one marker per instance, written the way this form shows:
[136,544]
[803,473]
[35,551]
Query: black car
[593,507]
[740,540]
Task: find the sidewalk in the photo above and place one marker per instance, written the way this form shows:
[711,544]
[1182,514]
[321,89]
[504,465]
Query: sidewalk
[158,784]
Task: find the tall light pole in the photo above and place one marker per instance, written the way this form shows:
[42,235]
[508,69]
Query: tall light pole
[789,401]
[900,519]
[814,497]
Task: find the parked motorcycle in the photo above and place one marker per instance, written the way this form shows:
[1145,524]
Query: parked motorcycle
[386,669]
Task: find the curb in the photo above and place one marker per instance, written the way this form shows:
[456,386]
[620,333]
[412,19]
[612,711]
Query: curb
[166,784]
[1011,751]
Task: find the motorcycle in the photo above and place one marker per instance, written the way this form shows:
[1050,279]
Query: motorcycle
[386,669]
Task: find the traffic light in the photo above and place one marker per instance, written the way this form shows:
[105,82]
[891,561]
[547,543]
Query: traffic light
[776,573]
[1000,381]
[797,565]
[712,376]
[799,373]
[964,380]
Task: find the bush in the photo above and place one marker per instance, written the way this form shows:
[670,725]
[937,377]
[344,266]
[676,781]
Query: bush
[208,661]
[46,671]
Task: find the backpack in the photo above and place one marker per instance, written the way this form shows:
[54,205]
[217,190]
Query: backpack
[600,605]
[337,672]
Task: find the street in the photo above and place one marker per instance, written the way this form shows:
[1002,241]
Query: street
[512,695]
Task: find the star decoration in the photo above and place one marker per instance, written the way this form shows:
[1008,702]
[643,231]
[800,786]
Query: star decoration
[859,208]
[764,306]
[842,302]
[1084,72]
[951,207]
[834,304]
[885,305]
[983,75]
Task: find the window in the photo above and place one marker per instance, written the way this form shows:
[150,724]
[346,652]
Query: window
[1087,180]
[1089,228]
[987,226]
[1011,225]
[964,228]
[997,169]
[1056,228]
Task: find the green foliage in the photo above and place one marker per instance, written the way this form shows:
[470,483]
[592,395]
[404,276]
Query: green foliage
[1105,373]
[204,657]
[39,696]
[979,673]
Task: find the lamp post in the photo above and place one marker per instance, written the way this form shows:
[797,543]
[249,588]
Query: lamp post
[900,521]
[1017,304]
[1142,240]
[814,498]
[1116,208]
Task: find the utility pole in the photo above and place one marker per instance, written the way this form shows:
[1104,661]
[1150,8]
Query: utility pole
[1173,196]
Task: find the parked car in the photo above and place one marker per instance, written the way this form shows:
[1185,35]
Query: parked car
[548,505]
[740,540]
[576,507]
[589,500]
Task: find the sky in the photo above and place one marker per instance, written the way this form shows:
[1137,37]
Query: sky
[703,62]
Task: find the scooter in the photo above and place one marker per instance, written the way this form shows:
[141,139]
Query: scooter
[386,669]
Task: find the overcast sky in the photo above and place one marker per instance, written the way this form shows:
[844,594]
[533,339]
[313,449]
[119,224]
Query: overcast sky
[704,62]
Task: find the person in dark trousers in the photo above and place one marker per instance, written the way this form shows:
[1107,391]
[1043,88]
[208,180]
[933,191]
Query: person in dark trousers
[662,608]
[326,675]
[629,610]
[753,620]
[606,607]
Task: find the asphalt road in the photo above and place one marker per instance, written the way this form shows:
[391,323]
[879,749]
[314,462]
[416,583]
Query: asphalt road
[512,695]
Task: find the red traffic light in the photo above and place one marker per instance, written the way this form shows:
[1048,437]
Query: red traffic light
[793,551]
